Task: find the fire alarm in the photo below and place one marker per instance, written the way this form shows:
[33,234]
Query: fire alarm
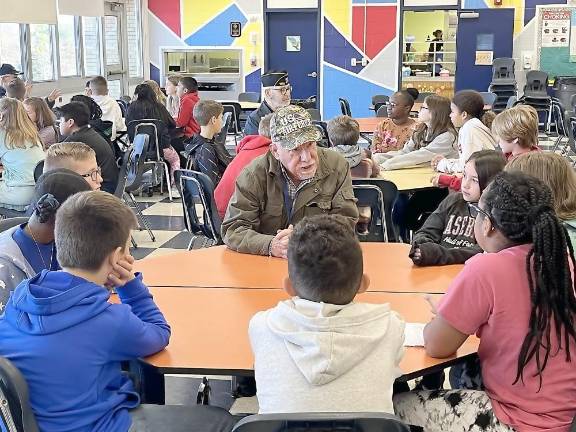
[497,2]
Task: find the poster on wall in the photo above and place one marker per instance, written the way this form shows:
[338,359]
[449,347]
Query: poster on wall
[484,58]
[573,38]
[556,29]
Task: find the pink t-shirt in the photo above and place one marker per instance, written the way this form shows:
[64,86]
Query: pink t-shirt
[491,298]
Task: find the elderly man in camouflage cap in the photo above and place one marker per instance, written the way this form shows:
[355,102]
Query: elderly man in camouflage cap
[293,180]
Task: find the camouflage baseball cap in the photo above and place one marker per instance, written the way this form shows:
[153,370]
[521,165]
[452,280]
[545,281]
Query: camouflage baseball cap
[292,126]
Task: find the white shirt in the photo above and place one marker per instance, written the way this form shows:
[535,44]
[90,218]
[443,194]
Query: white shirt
[111,112]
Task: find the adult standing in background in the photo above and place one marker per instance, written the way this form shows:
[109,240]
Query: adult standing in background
[434,52]
[277,92]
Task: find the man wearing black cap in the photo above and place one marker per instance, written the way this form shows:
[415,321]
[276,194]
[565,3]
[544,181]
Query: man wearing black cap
[8,73]
[277,93]
[294,180]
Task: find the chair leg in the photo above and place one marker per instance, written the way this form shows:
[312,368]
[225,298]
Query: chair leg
[141,217]
[168,182]
[134,244]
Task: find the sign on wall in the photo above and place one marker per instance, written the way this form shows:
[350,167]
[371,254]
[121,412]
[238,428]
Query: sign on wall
[555,29]
[235,29]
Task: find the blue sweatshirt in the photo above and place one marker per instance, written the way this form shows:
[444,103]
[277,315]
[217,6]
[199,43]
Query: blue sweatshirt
[68,342]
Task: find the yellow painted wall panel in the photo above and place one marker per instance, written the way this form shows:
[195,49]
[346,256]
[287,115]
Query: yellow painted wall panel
[197,13]
[339,13]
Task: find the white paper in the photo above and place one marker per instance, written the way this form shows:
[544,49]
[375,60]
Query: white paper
[414,334]
[556,28]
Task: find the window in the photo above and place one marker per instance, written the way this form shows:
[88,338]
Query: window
[112,31]
[91,46]
[41,44]
[10,45]
[67,45]
[134,41]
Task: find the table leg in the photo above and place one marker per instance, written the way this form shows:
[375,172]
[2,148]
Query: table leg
[149,382]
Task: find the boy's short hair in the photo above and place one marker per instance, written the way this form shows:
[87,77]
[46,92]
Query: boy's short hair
[204,110]
[60,155]
[98,85]
[16,89]
[343,130]
[264,126]
[189,84]
[77,111]
[90,226]
[519,122]
[325,260]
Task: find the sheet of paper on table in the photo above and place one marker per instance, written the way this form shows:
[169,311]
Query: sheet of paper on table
[414,334]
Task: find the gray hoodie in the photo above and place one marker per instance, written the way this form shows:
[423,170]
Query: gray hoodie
[318,357]
[14,268]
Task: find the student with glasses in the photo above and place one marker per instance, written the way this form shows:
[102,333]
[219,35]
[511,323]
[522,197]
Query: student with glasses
[277,93]
[519,298]
[77,157]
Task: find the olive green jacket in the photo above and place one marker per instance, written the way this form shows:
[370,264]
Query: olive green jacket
[256,211]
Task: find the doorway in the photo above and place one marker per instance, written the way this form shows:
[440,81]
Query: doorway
[115,49]
[292,44]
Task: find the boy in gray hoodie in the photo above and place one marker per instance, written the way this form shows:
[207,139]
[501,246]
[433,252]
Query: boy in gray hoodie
[320,351]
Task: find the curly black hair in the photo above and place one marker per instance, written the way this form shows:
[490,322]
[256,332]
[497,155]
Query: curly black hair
[521,208]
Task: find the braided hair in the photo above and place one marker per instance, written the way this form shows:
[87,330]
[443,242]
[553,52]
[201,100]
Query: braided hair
[521,208]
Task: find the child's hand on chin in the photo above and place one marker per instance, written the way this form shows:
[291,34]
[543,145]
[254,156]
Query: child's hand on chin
[122,272]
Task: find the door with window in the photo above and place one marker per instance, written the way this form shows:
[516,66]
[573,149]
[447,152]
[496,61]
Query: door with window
[482,35]
[115,58]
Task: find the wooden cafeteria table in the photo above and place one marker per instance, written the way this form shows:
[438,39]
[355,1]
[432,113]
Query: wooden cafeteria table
[410,179]
[244,105]
[388,265]
[210,333]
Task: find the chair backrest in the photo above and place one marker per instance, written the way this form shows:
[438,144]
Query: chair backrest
[38,169]
[421,205]
[220,137]
[372,227]
[123,106]
[196,187]
[323,128]
[235,109]
[155,129]
[6,224]
[559,117]
[136,163]
[103,127]
[380,99]
[382,111]
[315,114]
[123,174]
[536,82]
[249,97]
[321,422]
[15,412]
[489,98]
[389,195]
[345,107]
[511,101]
[502,68]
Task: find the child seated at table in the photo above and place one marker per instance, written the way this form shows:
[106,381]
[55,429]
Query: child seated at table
[435,135]
[473,135]
[343,134]
[320,351]
[62,332]
[519,298]
[447,236]
[210,157]
[517,131]
[395,130]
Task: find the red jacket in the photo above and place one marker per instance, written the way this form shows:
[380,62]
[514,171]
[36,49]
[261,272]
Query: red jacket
[185,117]
[248,149]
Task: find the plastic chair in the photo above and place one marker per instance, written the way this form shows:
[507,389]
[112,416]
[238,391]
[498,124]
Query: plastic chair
[379,100]
[156,131]
[122,179]
[536,83]
[123,106]
[503,71]
[38,169]
[321,422]
[249,97]
[489,98]
[235,128]
[15,411]
[104,128]
[389,195]
[371,196]
[6,224]
[196,187]
[511,102]
[345,107]
[559,121]
[314,114]
[421,205]
[382,111]
[135,167]
[323,128]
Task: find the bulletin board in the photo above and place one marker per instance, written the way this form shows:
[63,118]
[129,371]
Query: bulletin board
[556,40]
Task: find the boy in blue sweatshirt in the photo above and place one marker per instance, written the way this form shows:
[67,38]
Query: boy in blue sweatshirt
[68,340]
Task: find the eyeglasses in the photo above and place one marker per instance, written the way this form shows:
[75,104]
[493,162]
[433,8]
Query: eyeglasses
[93,174]
[284,89]
[474,210]
[424,107]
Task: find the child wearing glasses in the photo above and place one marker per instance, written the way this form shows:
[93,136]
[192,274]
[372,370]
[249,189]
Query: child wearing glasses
[447,236]
[434,136]
[321,351]
[519,298]
[473,135]
[395,130]
[77,157]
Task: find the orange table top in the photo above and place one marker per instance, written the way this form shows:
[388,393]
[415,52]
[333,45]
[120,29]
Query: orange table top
[210,329]
[387,265]
[368,124]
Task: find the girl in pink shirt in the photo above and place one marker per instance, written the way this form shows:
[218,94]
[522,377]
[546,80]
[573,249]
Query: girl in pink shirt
[519,299]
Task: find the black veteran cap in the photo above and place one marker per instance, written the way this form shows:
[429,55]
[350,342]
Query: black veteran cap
[275,79]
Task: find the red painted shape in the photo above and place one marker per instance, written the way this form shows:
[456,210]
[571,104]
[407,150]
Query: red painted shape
[380,29]
[167,11]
